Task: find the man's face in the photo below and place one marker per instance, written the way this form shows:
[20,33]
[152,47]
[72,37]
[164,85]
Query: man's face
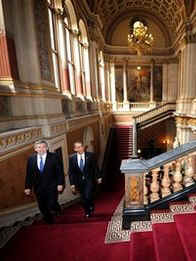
[79,148]
[41,148]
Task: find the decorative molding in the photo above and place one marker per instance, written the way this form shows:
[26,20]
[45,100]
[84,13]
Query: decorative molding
[118,54]
[79,122]
[43,37]
[12,140]
[32,117]
[54,130]
[114,233]
[186,122]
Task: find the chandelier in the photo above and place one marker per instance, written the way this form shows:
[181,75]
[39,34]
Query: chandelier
[139,37]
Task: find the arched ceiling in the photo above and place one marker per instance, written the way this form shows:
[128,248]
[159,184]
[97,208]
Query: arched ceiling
[170,13]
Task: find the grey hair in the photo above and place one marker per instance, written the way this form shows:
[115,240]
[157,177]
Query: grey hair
[78,142]
[41,142]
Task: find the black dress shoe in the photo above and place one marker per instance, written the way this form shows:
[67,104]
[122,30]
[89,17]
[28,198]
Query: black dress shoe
[49,220]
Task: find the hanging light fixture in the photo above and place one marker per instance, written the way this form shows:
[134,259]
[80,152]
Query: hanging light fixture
[139,37]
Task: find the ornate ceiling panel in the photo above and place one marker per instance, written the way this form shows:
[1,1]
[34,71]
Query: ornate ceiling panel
[170,12]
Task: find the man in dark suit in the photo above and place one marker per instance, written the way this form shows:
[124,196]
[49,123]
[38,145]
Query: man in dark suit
[45,176]
[83,175]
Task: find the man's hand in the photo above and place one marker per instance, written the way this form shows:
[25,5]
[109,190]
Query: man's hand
[27,192]
[60,188]
[73,189]
[99,181]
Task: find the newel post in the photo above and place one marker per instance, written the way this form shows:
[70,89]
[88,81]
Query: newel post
[134,170]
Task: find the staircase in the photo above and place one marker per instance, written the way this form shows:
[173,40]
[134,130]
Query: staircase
[124,141]
[170,235]
[154,115]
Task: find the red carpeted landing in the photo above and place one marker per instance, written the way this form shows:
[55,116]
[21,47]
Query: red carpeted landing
[142,247]
[173,241]
[167,242]
[186,225]
[73,238]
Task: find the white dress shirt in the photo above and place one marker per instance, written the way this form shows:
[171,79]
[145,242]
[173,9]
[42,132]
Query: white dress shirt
[79,156]
[39,159]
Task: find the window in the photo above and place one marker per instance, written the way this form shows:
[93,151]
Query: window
[70,62]
[53,42]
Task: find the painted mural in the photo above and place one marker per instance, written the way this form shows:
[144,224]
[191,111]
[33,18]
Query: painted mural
[138,82]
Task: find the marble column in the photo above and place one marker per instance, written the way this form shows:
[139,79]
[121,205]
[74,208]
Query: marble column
[152,82]
[94,70]
[170,82]
[107,84]
[78,75]
[125,100]
[102,80]
[113,87]
[64,71]
[165,83]
[187,91]
[87,71]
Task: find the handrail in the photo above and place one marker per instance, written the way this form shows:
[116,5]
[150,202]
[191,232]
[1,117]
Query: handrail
[159,109]
[139,165]
[153,180]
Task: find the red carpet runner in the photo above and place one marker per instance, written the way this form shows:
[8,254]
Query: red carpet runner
[174,240]
[73,238]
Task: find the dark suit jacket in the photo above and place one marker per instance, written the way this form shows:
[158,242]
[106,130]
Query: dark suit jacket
[90,173]
[52,176]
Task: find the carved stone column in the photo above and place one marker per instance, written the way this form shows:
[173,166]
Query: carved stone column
[125,100]
[187,89]
[78,75]
[64,72]
[93,69]
[102,78]
[112,86]
[152,82]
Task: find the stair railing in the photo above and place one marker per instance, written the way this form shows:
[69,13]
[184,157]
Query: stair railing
[170,106]
[164,177]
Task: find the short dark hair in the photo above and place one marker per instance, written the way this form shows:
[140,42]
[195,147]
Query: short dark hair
[41,142]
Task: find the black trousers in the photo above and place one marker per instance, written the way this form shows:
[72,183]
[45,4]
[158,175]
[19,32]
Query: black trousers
[47,200]
[86,189]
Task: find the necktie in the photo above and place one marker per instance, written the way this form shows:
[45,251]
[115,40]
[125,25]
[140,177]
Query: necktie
[81,164]
[41,166]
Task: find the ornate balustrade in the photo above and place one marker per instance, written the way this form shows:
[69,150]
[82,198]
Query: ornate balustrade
[155,112]
[170,178]
[149,183]
[139,106]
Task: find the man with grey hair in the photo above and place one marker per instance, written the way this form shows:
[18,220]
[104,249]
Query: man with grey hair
[45,176]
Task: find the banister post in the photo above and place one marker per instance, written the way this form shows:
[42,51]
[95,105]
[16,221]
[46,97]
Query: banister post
[133,170]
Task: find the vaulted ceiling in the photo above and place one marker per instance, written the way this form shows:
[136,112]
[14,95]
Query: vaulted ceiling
[170,14]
